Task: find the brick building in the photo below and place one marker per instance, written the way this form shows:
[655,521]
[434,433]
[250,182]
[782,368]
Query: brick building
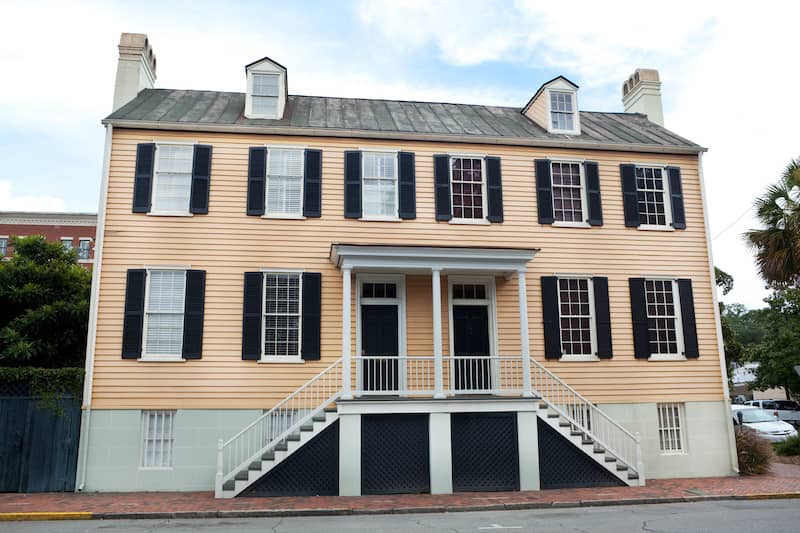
[73,230]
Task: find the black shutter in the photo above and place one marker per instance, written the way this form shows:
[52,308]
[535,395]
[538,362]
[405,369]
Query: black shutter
[544,191]
[595,204]
[193,308]
[251,322]
[602,317]
[630,195]
[134,314]
[494,189]
[441,179]
[143,177]
[201,179]
[312,184]
[690,346]
[676,198]
[256,181]
[312,310]
[352,184]
[551,318]
[408,188]
[641,341]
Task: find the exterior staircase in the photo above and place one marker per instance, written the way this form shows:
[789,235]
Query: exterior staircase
[287,427]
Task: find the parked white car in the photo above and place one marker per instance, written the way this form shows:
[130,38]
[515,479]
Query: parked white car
[786,410]
[766,424]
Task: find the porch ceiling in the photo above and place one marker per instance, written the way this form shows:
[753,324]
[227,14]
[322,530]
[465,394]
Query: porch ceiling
[411,259]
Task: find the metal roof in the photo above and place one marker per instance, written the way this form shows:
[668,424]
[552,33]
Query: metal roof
[172,109]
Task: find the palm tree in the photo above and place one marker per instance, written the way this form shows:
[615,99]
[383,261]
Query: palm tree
[777,244]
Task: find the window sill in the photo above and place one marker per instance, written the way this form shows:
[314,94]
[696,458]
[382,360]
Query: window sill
[470,221]
[671,357]
[579,358]
[380,219]
[169,214]
[564,132]
[156,468]
[84,261]
[558,224]
[284,217]
[649,227]
[290,360]
[674,453]
[161,359]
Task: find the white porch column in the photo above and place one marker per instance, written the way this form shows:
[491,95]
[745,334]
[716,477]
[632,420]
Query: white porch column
[524,339]
[438,372]
[347,393]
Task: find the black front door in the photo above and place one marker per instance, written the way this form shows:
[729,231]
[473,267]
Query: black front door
[471,343]
[379,338]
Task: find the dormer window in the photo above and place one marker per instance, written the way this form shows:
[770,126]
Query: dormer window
[562,111]
[266,90]
[265,94]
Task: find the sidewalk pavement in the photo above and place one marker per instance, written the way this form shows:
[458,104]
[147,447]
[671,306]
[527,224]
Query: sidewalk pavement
[782,482]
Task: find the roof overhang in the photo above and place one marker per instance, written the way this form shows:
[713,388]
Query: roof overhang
[561,141]
[546,85]
[423,259]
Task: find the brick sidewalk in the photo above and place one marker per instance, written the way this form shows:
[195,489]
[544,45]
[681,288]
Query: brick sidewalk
[784,481]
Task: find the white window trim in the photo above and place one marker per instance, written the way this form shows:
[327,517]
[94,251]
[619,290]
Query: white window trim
[158,358]
[592,320]
[667,198]
[400,302]
[396,178]
[681,355]
[154,211]
[281,98]
[584,223]
[576,123]
[142,439]
[485,208]
[681,408]
[285,216]
[282,358]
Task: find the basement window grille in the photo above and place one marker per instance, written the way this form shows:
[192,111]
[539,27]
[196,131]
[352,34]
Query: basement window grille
[158,438]
[671,435]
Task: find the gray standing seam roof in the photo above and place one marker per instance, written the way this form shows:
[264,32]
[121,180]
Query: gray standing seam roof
[209,110]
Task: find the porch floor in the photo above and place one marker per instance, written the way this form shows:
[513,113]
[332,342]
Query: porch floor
[782,482]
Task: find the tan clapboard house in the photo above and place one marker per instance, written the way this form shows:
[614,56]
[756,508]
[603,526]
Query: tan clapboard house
[300,295]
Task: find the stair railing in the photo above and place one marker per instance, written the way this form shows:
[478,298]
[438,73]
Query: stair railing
[274,426]
[588,418]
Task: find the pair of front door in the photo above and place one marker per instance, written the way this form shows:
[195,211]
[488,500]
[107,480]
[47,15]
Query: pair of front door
[379,338]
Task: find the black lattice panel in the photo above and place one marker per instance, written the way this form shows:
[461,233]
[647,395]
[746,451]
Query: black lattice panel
[562,465]
[14,389]
[310,471]
[484,448]
[395,454]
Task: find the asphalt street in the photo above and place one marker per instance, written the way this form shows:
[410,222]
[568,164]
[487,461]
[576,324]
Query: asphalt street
[772,516]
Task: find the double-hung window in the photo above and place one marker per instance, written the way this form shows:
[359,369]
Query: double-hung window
[265,95]
[173,178]
[3,246]
[158,439]
[652,187]
[665,336]
[379,185]
[164,307]
[569,192]
[576,316]
[282,315]
[671,434]
[84,249]
[284,182]
[66,242]
[562,111]
[467,186]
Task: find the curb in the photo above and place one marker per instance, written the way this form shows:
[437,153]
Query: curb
[346,511]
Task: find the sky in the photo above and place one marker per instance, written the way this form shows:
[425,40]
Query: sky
[729,77]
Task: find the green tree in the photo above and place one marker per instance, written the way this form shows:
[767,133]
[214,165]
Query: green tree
[733,348]
[44,306]
[779,351]
[777,243]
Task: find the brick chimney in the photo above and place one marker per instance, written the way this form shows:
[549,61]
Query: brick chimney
[136,69]
[641,93]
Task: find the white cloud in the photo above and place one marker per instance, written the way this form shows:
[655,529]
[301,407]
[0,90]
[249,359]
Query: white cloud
[11,202]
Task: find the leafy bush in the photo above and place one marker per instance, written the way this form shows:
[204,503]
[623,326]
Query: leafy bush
[790,446]
[755,454]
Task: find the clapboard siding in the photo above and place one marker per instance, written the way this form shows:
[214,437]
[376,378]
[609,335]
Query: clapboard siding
[225,243]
